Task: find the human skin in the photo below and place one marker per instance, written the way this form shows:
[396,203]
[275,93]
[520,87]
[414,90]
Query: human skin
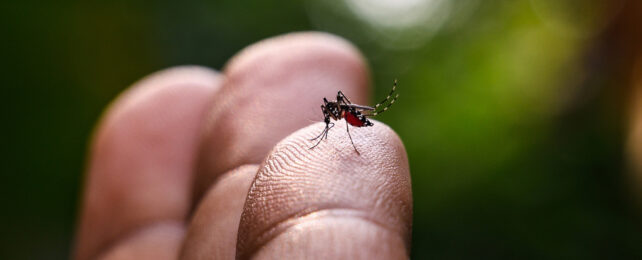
[191,163]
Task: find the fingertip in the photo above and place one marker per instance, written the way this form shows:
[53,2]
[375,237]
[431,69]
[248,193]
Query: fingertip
[148,97]
[273,88]
[295,182]
[378,145]
[192,75]
[300,48]
[141,156]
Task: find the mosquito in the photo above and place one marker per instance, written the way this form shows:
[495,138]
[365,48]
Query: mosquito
[355,115]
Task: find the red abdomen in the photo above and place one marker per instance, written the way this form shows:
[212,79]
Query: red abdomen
[353,120]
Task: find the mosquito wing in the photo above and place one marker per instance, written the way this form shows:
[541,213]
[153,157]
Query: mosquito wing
[362,108]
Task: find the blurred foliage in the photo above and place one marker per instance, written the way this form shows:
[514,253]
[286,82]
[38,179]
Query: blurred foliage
[508,109]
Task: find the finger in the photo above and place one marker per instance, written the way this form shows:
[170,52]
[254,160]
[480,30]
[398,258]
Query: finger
[329,201]
[142,157]
[273,88]
[213,230]
[159,242]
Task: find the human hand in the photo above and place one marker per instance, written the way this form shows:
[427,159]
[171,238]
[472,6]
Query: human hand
[174,164]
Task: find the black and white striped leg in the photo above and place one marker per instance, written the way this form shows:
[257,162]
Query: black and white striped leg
[394,87]
[342,97]
[386,107]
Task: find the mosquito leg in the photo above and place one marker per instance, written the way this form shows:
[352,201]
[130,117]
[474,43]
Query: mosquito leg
[323,135]
[342,97]
[322,132]
[385,108]
[325,131]
[316,143]
[394,87]
[328,131]
[326,119]
[348,130]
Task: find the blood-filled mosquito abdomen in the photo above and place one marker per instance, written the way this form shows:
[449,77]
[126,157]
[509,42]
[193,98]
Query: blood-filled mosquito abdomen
[353,120]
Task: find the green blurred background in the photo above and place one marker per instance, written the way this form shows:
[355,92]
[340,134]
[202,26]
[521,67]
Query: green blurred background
[512,112]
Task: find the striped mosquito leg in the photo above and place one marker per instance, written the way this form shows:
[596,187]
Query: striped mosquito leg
[386,107]
[394,87]
[340,96]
